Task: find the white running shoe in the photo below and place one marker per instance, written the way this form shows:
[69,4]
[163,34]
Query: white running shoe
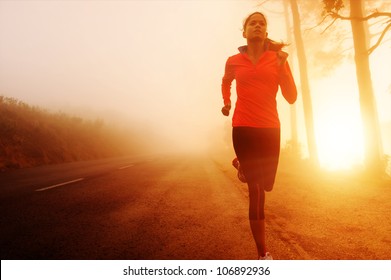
[267,256]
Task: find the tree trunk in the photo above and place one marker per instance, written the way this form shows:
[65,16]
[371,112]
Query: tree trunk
[307,103]
[294,141]
[372,139]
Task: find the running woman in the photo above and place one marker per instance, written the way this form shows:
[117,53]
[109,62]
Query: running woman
[259,69]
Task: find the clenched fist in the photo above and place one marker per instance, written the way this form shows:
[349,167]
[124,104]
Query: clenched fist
[225,109]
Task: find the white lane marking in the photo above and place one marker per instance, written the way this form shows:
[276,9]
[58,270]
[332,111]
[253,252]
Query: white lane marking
[127,166]
[59,185]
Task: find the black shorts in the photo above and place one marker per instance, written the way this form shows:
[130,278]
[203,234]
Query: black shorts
[258,151]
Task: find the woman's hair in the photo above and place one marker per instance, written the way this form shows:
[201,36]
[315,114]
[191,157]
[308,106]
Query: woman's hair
[269,44]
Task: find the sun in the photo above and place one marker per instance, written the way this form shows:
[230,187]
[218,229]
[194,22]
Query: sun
[339,139]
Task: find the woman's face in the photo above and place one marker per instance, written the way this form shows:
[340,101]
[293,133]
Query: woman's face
[255,28]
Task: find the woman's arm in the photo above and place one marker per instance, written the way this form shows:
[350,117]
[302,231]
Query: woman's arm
[226,87]
[287,83]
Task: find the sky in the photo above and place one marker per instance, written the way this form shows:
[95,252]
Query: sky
[158,63]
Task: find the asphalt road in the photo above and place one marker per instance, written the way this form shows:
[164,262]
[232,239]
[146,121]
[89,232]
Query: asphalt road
[184,207]
[173,207]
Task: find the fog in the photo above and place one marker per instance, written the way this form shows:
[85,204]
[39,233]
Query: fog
[154,64]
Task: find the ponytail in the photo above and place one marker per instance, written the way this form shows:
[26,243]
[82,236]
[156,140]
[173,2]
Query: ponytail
[273,45]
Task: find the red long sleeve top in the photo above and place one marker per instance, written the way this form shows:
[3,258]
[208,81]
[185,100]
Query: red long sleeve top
[256,88]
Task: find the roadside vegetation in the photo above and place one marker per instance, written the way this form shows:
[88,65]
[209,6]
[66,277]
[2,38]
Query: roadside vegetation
[32,136]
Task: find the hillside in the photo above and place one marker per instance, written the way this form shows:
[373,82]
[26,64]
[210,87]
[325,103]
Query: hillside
[31,136]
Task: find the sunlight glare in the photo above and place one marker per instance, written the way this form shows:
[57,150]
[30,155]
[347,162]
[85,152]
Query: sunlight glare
[340,142]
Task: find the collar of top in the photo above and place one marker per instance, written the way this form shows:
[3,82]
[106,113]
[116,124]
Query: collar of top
[243,49]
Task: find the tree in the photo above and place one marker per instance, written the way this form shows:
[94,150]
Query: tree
[294,142]
[304,83]
[372,138]
[307,103]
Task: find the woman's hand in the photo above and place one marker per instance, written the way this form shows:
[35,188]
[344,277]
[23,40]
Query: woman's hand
[225,109]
